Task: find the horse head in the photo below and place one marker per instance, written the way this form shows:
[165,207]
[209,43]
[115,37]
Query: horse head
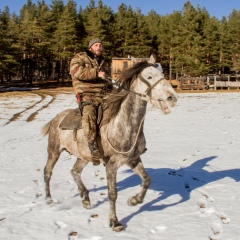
[151,85]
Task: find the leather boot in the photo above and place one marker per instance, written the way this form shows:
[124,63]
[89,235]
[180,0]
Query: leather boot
[96,154]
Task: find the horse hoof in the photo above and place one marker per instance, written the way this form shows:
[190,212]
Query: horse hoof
[117,227]
[134,201]
[86,204]
[50,202]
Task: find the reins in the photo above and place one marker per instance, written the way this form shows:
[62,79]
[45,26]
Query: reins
[148,94]
[140,125]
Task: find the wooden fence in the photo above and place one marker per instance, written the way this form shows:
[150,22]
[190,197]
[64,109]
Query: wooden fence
[223,82]
[192,83]
[209,82]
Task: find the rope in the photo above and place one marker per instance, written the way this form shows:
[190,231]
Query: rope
[149,89]
[140,125]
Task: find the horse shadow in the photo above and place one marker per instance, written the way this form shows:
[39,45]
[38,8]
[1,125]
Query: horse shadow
[168,182]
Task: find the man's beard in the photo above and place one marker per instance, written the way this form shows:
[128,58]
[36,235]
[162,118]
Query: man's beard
[97,53]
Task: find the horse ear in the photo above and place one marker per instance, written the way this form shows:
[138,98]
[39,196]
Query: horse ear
[134,60]
[152,59]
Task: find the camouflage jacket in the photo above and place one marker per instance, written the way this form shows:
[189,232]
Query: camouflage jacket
[84,68]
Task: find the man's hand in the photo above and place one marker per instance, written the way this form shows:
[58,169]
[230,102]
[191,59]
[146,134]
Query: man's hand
[102,75]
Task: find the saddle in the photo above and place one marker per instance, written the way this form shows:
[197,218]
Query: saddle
[73,121]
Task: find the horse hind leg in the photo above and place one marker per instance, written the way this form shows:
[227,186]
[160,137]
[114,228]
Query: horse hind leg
[53,156]
[76,173]
[137,166]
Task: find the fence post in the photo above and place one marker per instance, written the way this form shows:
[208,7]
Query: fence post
[215,82]
[228,82]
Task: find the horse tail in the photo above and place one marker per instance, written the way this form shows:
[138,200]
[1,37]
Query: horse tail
[45,128]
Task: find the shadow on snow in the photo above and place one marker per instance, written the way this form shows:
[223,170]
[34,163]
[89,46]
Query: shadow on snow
[168,182]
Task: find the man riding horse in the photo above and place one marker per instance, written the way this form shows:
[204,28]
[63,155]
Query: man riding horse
[89,72]
[122,128]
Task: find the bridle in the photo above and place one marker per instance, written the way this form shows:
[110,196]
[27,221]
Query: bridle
[149,87]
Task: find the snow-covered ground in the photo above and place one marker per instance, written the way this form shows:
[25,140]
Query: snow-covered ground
[193,158]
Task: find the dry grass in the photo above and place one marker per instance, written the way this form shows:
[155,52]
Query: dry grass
[207,91]
[55,91]
[23,94]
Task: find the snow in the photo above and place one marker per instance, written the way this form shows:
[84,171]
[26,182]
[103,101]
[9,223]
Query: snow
[193,159]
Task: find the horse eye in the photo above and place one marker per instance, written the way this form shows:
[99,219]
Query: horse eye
[149,77]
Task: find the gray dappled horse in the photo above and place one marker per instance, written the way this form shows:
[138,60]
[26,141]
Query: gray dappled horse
[121,136]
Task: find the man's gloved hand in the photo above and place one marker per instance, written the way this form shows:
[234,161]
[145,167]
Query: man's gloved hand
[102,75]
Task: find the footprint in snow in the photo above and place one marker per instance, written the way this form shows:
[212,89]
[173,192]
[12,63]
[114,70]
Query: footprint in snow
[202,203]
[60,224]
[206,195]
[224,218]
[158,229]
[217,231]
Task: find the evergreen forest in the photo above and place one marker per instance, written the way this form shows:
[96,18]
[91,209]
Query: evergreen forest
[38,44]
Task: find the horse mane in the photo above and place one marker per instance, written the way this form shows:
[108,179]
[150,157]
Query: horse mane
[113,101]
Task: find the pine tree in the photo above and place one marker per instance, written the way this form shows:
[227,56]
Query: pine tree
[125,32]
[56,8]
[90,19]
[225,58]
[65,38]
[119,30]
[212,43]
[81,32]
[9,61]
[130,44]
[105,25]
[144,40]
[175,41]
[233,24]
[154,20]
[27,38]
[190,59]
[45,22]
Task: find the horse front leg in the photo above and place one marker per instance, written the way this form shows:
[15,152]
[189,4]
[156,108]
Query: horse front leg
[76,173]
[137,166]
[111,171]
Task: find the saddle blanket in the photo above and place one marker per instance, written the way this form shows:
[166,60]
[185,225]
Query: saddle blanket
[72,121]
